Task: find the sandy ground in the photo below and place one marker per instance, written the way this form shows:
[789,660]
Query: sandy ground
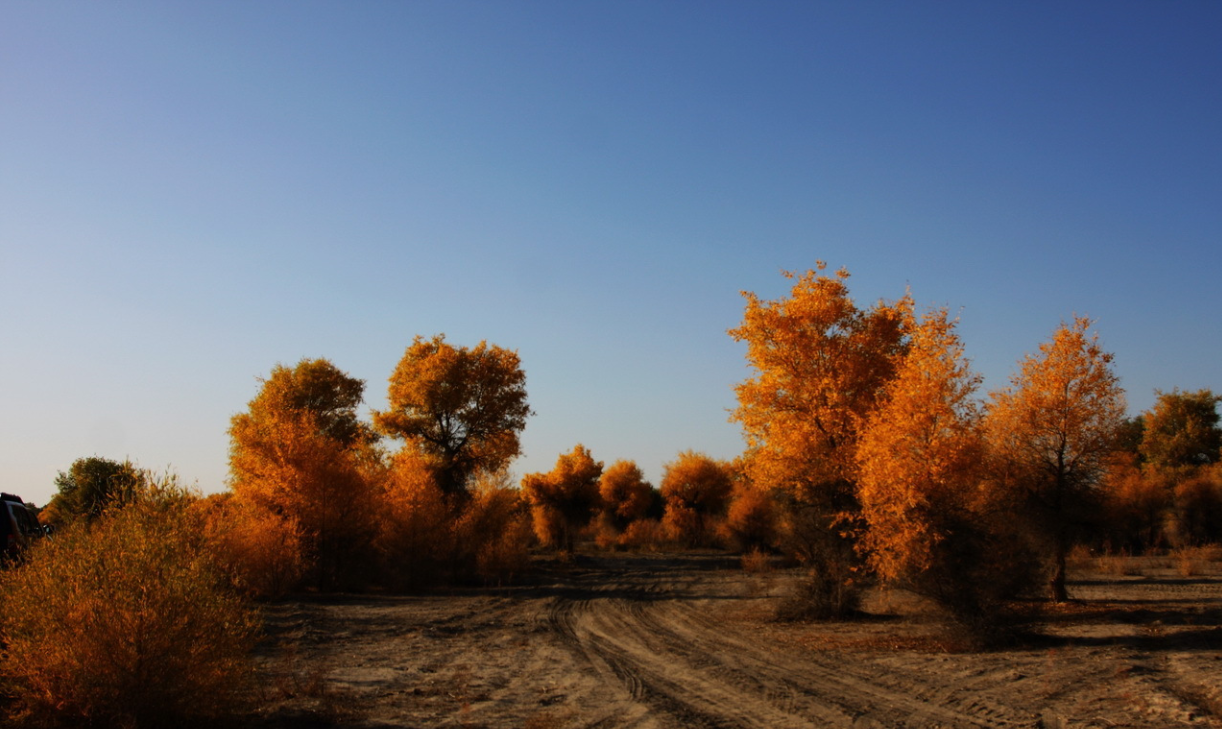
[686,641]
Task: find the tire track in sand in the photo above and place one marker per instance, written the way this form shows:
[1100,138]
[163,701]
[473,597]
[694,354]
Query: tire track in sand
[679,666]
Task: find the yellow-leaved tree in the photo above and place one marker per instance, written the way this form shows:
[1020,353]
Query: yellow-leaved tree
[930,525]
[920,454]
[564,500]
[624,497]
[821,363]
[460,408]
[301,457]
[1051,433]
[697,492]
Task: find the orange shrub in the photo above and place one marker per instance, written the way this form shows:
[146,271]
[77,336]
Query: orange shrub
[262,553]
[752,518]
[644,534]
[495,529]
[126,622]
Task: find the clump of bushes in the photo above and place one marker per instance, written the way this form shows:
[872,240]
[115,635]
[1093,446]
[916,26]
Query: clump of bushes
[260,552]
[126,622]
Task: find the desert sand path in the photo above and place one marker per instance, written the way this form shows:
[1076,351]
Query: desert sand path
[662,641]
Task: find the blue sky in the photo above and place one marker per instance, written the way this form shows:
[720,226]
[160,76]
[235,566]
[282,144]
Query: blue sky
[191,193]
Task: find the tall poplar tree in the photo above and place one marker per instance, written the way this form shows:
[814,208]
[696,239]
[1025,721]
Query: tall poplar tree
[1051,432]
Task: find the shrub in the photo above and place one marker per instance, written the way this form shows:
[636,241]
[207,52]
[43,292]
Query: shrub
[644,535]
[751,520]
[261,553]
[821,595]
[757,562]
[1193,561]
[494,530]
[125,622]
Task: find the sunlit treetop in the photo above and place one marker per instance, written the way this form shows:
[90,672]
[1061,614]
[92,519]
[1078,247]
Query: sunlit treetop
[820,365]
[462,407]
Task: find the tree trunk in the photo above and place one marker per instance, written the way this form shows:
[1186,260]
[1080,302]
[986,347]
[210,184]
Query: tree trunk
[1057,584]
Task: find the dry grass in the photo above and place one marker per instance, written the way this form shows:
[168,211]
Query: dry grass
[757,562]
[1194,561]
[1117,565]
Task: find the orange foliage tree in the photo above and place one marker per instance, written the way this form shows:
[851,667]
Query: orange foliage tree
[820,363]
[563,500]
[461,408]
[301,454]
[751,519]
[1137,505]
[624,493]
[697,492]
[929,524]
[415,523]
[1051,433]
[920,453]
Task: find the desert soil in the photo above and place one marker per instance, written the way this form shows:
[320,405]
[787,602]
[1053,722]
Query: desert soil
[687,640]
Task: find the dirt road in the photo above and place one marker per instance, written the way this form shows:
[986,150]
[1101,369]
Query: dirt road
[684,641]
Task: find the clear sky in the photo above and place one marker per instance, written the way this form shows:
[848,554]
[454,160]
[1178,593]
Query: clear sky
[192,192]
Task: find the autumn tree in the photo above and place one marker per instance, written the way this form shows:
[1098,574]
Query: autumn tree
[751,518]
[461,408]
[624,494]
[1137,503]
[697,491]
[821,363]
[415,539]
[1051,433]
[929,525]
[1181,430]
[301,454]
[563,500]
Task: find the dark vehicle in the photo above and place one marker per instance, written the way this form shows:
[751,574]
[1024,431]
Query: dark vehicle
[18,527]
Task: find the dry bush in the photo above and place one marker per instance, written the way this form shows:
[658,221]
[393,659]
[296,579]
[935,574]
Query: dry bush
[262,553]
[126,622]
[1117,564]
[606,535]
[494,529]
[809,536]
[644,535]
[751,521]
[757,562]
[821,595]
[1193,561]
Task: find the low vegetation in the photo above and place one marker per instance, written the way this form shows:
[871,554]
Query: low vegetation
[127,622]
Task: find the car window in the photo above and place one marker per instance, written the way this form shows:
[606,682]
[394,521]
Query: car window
[27,521]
